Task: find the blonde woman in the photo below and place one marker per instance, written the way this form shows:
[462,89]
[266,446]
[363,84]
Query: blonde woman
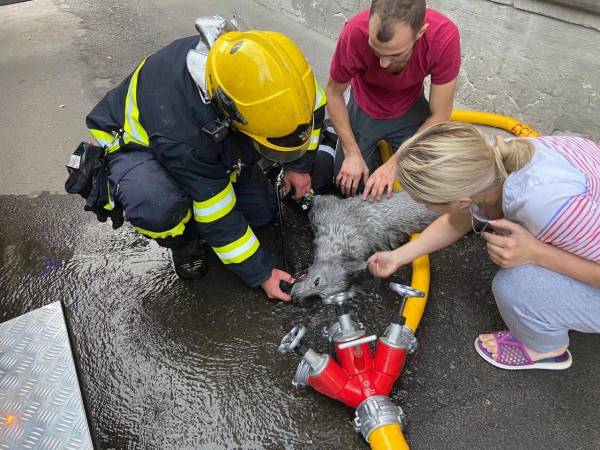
[539,202]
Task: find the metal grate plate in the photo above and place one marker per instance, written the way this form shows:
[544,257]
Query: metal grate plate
[40,401]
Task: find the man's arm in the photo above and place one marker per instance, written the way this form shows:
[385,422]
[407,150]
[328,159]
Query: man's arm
[441,101]
[444,75]
[338,113]
[354,167]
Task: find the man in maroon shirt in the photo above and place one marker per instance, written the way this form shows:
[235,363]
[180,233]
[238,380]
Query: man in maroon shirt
[385,54]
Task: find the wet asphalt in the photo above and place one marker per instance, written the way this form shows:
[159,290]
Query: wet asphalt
[172,364]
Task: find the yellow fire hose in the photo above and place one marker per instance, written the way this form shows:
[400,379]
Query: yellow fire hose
[390,437]
[509,124]
[413,310]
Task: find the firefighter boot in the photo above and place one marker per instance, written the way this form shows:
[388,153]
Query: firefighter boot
[190,261]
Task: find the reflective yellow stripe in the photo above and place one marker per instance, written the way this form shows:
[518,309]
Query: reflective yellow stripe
[103,138]
[110,204]
[215,207]
[320,101]
[133,130]
[313,143]
[106,140]
[177,230]
[321,98]
[113,148]
[239,250]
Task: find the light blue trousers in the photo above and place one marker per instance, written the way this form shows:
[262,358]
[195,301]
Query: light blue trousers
[541,306]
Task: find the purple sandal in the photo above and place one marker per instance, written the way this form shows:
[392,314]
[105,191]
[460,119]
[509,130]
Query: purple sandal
[513,356]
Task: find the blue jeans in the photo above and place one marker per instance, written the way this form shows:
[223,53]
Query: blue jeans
[540,306]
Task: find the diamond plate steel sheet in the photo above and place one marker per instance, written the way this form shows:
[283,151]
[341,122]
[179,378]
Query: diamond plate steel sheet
[40,402]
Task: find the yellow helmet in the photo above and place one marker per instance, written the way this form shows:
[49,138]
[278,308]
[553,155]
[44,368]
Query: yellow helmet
[262,82]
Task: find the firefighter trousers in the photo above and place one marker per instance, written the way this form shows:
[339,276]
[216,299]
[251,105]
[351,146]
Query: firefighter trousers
[154,202]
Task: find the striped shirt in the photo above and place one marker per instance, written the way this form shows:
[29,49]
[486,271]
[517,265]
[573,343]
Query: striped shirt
[556,195]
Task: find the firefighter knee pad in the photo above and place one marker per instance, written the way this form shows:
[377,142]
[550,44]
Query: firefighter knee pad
[179,241]
[165,224]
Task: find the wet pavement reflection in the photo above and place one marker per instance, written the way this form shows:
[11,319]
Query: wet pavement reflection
[171,364]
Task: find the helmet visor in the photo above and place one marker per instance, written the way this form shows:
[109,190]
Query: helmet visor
[279,155]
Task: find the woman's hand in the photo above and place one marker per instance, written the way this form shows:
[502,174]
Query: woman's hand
[512,246]
[383,264]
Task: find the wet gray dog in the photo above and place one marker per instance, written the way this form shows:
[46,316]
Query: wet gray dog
[348,231]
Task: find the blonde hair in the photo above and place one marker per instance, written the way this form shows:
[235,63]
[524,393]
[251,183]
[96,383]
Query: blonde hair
[452,160]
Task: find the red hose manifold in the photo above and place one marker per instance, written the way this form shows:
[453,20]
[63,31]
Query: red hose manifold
[358,375]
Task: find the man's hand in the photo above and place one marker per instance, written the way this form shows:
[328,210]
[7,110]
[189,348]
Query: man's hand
[383,264]
[380,180]
[512,246]
[300,181]
[271,286]
[353,169]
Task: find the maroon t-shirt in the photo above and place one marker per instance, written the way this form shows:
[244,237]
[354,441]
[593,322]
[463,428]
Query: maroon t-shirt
[385,96]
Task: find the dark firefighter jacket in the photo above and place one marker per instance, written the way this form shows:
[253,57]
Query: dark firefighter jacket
[159,107]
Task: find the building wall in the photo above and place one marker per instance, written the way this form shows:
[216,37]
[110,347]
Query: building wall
[535,60]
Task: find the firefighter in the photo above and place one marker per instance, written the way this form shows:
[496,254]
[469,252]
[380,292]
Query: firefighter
[182,136]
